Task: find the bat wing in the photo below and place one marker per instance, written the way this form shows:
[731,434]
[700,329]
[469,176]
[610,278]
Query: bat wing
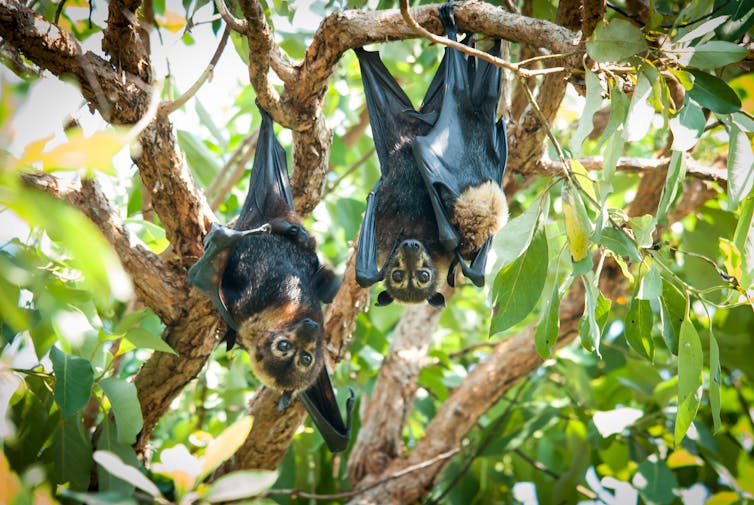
[322,406]
[465,147]
[269,197]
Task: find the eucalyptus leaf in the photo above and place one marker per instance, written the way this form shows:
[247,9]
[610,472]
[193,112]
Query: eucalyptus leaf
[690,361]
[643,228]
[715,379]
[675,176]
[547,330]
[74,378]
[716,53]
[225,445]
[687,126]
[638,328]
[640,111]
[673,305]
[619,243]
[593,102]
[203,164]
[125,406]
[513,239]
[650,287]
[578,226]
[71,454]
[657,483]
[615,41]
[517,286]
[713,93]
[238,485]
[145,339]
[108,441]
[740,166]
[113,464]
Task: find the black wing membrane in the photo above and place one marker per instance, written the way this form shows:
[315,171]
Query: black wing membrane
[394,120]
[322,406]
[465,147]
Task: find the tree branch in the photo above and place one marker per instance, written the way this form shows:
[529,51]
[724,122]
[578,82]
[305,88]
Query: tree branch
[640,165]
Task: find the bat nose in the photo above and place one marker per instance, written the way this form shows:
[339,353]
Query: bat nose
[309,327]
[411,244]
[411,250]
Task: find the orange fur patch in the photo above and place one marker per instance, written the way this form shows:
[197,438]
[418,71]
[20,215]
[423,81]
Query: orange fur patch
[479,212]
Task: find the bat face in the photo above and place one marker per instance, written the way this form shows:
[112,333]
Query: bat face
[287,359]
[410,274]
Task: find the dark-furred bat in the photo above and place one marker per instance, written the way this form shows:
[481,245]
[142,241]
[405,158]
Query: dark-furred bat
[438,202]
[264,277]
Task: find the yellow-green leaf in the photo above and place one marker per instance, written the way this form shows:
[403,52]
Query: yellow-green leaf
[225,445]
[690,358]
[577,224]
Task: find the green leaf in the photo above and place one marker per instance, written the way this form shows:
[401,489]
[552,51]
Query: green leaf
[695,31]
[517,286]
[547,329]
[715,54]
[690,358]
[650,287]
[638,328]
[616,41]
[643,228]
[205,119]
[612,152]
[73,381]
[676,174]
[513,239]
[113,464]
[640,111]
[657,482]
[619,243]
[225,445]
[125,406]
[596,310]
[743,238]
[740,166]
[687,126]
[145,339]
[673,305]
[619,104]
[238,485]
[593,102]
[714,381]
[713,93]
[71,454]
[108,441]
[204,164]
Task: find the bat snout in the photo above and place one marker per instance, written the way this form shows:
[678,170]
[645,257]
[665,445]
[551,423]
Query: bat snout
[411,249]
[308,327]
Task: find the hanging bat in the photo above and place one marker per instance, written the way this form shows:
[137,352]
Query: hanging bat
[438,202]
[264,277]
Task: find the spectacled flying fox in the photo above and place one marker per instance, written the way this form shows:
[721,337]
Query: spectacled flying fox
[438,202]
[264,277]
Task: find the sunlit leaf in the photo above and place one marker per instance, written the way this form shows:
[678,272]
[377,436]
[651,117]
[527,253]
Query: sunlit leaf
[687,126]
[743,238]
[615,41]
[145,339]
[239,485]
[172,21]
[640,111]
[650,287]
[513,239]
[577,224]
[593,102]
[73,381]
[713,93]
[596,311]
[740,166]
[226,444]
[113,464]
[638,328]
[549,323]
[643,228]
[125,406]
[619,243]
[517,286]
[694,30]
[204,164]
[716,54]
[690,357]
[675,176]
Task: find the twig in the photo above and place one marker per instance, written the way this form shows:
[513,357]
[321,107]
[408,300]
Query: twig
[356,164]
[249,142]
[167,108]
[59,11]
[219,197]
[238,25]
[295,493]
[542,468]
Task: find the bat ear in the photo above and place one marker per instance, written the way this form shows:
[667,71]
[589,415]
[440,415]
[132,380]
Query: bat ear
[437,300]
[326,284]
[383,299]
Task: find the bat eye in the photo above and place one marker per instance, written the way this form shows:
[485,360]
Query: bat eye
[284,346]
[397,275]
[306,359]
[423,276]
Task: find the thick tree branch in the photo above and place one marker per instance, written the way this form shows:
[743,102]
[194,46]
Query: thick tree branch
[384,415]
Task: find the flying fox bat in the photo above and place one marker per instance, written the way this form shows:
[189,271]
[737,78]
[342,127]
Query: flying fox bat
[264,277]
[438,202]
